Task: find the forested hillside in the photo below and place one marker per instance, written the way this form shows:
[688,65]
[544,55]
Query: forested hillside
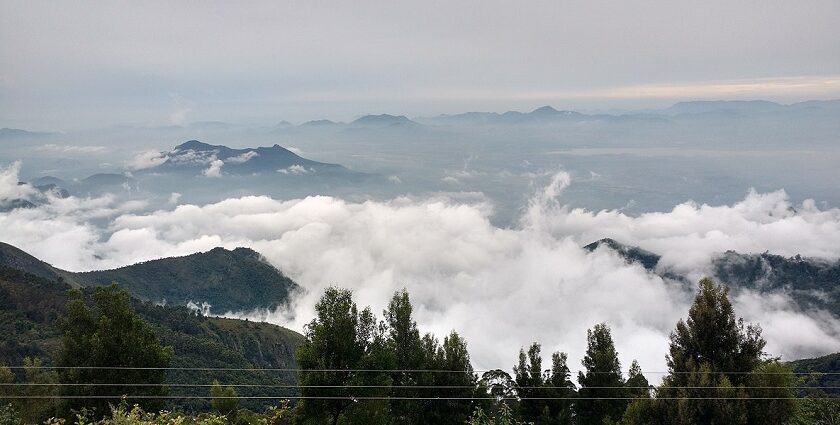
[811,282]
[30,308]
[237,280]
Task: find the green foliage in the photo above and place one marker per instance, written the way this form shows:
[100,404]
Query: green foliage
[818,409]
[453,357]
[227,280]
[534,386]
[637,385]
[31,306]
[121,414]
[356,351]
[503,417]
[715,365]
[6,377]
[224,400]
[601,384]
[8,415]
[42,405]
[110,335]
[810,282]
[404,342]
[528,376]
[711,335]
[341,340]
[817,368]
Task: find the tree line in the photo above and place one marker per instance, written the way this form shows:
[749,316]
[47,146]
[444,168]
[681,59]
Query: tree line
[356,368]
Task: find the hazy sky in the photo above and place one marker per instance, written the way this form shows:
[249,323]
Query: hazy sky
[81,64]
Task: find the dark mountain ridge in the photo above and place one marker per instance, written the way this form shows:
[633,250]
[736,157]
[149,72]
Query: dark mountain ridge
[811,282]
[237,280]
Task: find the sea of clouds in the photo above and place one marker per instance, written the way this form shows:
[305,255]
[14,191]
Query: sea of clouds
[501,288]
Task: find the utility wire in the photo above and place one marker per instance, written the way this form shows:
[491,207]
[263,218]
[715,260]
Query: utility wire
[176,385]
[297,370]
[352,398]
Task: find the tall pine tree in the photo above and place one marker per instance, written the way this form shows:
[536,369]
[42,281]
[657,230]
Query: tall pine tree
[405,344]
[715,362]
[601,385]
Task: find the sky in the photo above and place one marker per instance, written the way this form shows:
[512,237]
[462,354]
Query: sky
[70,65]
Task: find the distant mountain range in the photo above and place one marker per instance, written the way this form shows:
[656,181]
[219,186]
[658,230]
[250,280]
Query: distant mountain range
[237,280]
[16,133]
[712,109]
[194,159]
[811,282]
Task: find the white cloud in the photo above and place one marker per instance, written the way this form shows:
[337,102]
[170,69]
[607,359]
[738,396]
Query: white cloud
[215,169]
[501,288]
[10,189]
[689,234]
[240,159]
[190,156]
[174,198]
[295,170]
[72,148]
[395,179]
[147,159]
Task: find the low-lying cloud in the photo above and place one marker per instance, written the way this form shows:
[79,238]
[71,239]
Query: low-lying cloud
[501,288]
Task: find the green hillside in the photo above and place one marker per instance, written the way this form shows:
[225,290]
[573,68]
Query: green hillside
[813,283]
[825,372]
[30,307]
[237,280]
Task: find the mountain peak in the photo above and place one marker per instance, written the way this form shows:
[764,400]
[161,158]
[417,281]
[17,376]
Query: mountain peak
[382,119]
[545,110]
[195,145]
[318,123]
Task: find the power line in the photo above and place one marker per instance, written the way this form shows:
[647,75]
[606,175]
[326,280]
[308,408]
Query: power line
[298,370]
[362,398]
[177,385]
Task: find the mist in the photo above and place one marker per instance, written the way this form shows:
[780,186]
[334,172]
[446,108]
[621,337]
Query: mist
[500,287]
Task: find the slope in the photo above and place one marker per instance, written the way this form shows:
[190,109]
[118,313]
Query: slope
[237,280]
[30,309]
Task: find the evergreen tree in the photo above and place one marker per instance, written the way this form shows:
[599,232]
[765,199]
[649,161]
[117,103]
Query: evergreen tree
[454,358]
[342,346]
[562,388]
[110,344]
[637,385]
[601,386]
[715,361]
[713,336]
[529,381]
[405,344]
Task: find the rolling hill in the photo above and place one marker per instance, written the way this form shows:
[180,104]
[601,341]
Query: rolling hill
[237,280]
